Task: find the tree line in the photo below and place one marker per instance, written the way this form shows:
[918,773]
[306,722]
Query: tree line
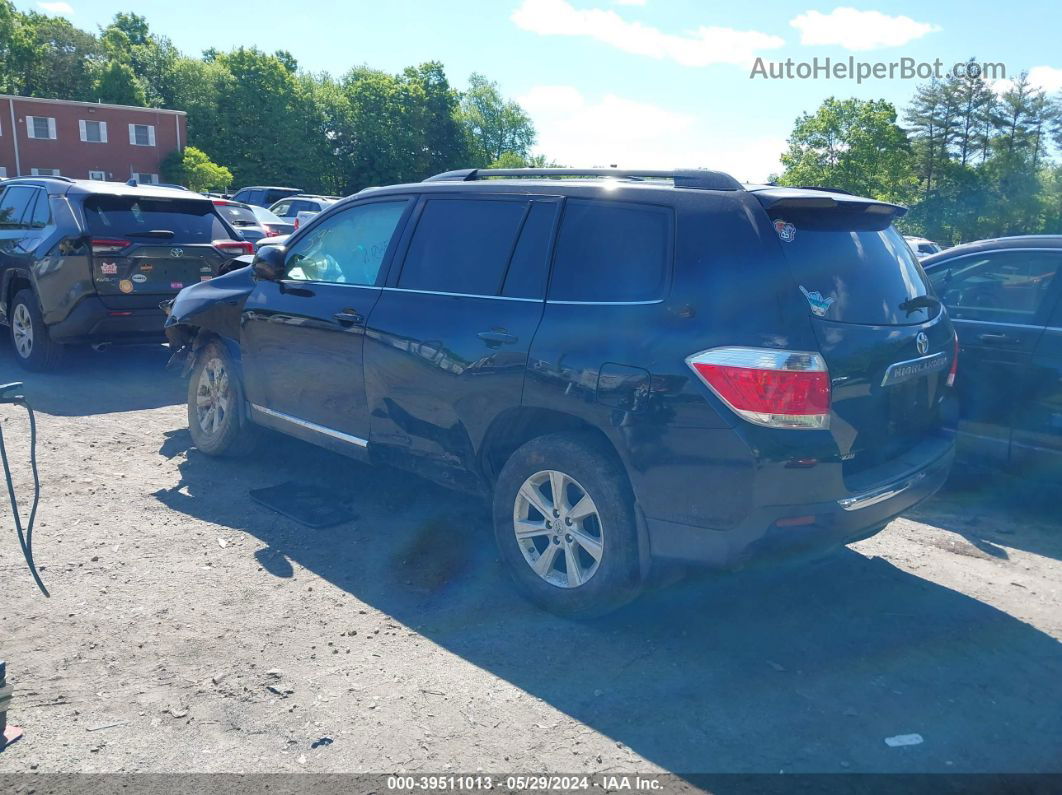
[263,118]
[970,161]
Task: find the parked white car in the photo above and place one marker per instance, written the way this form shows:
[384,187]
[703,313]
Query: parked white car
[922,247]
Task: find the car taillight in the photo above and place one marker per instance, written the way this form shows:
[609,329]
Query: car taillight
[234,248]
[108,245]
[954,370]
[779,389]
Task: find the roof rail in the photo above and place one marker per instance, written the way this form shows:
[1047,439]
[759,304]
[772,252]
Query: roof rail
[42,176]
[683,178]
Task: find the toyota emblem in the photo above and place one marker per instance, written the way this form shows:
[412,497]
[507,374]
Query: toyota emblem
[922,342]
[177,253]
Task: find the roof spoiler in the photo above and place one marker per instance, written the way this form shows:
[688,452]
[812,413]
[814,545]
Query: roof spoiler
[819,199]
[701,179]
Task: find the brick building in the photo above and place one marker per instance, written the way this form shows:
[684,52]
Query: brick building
[86,140]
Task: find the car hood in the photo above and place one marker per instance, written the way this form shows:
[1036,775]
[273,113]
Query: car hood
[215,304]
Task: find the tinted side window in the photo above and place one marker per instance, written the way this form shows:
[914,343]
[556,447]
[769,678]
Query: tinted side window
[527,270]
[282,209]
[13,205]
[462,246]
[1003,286]
[255,197]
[42,213]
[347,248]
[611,252]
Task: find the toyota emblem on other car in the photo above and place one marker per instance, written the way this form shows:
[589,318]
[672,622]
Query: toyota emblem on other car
[922,342]
[177,253]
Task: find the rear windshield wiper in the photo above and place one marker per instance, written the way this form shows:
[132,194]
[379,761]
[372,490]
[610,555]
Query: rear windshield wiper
[151,233]
[919,302]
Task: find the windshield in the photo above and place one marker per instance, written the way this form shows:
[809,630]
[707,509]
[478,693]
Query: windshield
[189,221]
[863,276]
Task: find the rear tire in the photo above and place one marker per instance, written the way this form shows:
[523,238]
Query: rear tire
[30,340]
[576,556]
[215,405]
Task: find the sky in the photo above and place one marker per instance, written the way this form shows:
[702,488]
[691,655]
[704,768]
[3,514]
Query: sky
[636,83]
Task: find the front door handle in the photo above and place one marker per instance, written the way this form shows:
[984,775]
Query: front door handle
[497,337]
[998,339]
[349,317]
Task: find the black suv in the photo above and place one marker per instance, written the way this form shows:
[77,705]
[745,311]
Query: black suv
[635,365]
[83,261]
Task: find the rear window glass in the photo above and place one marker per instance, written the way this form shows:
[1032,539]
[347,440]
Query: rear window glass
[856,275]
[189,221]
[611,252]
[236,215]
[462,246]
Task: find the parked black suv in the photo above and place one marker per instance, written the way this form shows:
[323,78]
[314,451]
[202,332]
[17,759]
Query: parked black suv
[83,261]
[636,365]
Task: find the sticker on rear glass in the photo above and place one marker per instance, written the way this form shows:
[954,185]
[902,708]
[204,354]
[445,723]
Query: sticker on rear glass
[146,267]
[125,286]
[786,231]
[176,285]
[139,278]
[109,268]
[819,304]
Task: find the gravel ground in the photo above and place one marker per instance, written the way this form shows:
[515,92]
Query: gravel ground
[190,630]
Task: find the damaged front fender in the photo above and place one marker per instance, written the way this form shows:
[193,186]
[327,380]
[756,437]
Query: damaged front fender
[205,309]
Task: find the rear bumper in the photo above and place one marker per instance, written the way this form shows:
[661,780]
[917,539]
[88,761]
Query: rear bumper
[90,322]
[781,531]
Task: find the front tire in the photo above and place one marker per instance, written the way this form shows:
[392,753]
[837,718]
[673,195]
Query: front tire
[565,527]
[33,345]
[215,405]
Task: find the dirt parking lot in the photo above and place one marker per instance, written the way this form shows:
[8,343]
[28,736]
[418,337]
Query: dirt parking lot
[190,629]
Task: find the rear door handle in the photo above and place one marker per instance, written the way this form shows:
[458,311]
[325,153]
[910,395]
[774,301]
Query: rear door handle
[497,337]
[350,317]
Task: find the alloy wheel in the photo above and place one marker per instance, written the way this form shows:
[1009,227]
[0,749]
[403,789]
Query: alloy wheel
[558,529]
[22,330]
[213,398]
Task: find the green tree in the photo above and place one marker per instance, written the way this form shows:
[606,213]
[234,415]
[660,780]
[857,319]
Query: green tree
[195,170]
[852,144]
[494,125]
[59,60]
[116,83]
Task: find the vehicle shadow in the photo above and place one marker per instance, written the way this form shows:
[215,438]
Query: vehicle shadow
[120,378]
[801,669]
[993,510]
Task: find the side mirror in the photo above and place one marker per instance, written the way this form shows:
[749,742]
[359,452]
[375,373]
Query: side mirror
[268,263]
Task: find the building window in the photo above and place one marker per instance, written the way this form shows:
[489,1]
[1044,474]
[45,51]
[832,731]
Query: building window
[101,176]
[93,132]
[142,134]
[146,179]
[42,127]
[44,172]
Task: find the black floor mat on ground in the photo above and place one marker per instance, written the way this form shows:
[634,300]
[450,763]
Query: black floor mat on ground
[312,506]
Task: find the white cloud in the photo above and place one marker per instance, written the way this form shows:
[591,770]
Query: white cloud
[701,47]
[576,131]
[57,8]
[630,2]
[858,30]
[1045,78]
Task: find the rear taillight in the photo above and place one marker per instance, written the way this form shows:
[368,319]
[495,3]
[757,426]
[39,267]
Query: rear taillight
[954,370]
[779,389]
[108,245]
[234,248]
